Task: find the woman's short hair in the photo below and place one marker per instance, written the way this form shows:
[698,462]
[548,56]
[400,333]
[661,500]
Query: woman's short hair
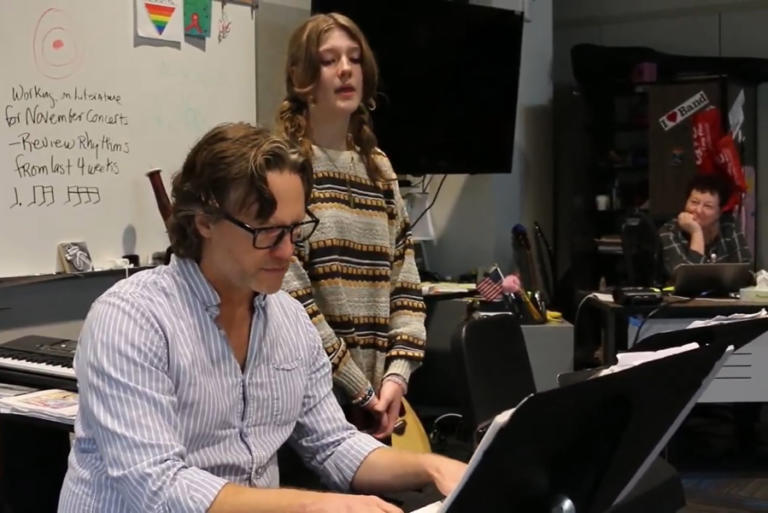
[227,169]
[713,183]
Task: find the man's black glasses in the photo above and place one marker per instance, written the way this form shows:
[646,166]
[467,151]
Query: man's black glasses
[266,237]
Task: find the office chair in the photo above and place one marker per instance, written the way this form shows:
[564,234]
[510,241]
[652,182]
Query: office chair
[494,374]
[641,248]
[493,369]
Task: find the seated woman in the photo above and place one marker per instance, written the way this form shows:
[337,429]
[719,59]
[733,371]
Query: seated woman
[701,233]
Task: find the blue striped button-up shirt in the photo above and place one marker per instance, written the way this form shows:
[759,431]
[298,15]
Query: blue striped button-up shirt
[167,417]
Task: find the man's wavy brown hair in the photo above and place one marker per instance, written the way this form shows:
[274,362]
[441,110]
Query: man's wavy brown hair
[227,170]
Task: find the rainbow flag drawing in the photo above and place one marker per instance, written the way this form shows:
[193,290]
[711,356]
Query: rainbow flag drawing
[160,15]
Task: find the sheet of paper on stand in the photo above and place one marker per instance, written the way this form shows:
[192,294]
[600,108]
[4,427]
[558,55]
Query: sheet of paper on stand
[54,404]
[627,360]
[429,508]
[497,423]
[722,319]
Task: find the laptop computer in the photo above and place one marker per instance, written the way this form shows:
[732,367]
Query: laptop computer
[716,279]
[584,446]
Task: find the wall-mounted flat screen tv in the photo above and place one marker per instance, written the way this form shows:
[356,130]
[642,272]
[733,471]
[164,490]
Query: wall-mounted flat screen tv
[448,82]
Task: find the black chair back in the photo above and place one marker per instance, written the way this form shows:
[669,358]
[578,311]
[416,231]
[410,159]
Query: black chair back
[493,369]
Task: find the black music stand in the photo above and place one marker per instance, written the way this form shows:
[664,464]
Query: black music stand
[582,448]
[735,333]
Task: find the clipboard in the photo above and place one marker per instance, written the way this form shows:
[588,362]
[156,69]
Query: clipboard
[587,444]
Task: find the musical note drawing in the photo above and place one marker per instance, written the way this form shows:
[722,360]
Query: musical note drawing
[42,196]
[84,195]
[16,202]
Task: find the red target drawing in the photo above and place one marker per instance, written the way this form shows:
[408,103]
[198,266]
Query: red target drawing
[55,45]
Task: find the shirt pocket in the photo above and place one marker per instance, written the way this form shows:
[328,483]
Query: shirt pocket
[287,390]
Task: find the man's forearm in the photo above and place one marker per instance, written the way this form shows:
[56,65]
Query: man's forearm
[241,499]
[387,470]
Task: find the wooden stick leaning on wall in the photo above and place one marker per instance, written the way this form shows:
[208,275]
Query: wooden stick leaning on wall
[163,202]
[161,196]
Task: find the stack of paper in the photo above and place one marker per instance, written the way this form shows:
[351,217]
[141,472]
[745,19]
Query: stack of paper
[7,390]
[445,287]
[54,404]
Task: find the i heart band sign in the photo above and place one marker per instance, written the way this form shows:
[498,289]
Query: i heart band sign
[682,111]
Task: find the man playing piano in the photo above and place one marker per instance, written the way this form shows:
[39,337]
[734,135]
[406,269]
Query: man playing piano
[192,375]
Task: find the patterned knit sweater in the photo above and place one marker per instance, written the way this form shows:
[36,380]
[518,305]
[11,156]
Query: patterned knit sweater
[356,276]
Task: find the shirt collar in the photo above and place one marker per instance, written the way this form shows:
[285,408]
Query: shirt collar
[201,288]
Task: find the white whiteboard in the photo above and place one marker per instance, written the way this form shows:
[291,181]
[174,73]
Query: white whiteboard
[74,149]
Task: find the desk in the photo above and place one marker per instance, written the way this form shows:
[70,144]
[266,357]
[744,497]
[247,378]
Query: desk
[615,317]
[550,351]
[744,378]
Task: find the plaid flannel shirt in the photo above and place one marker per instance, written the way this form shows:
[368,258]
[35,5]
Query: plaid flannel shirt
[729,246]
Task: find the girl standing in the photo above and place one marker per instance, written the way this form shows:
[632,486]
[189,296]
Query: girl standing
[356,276]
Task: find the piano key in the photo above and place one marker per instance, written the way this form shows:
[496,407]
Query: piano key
[36,367]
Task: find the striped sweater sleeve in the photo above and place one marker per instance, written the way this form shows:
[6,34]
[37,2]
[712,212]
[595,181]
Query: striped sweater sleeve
[407,334]
[346,374]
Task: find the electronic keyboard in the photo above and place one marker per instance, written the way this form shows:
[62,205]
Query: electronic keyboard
[40,362]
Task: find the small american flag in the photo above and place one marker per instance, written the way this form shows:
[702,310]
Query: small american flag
[490,287]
